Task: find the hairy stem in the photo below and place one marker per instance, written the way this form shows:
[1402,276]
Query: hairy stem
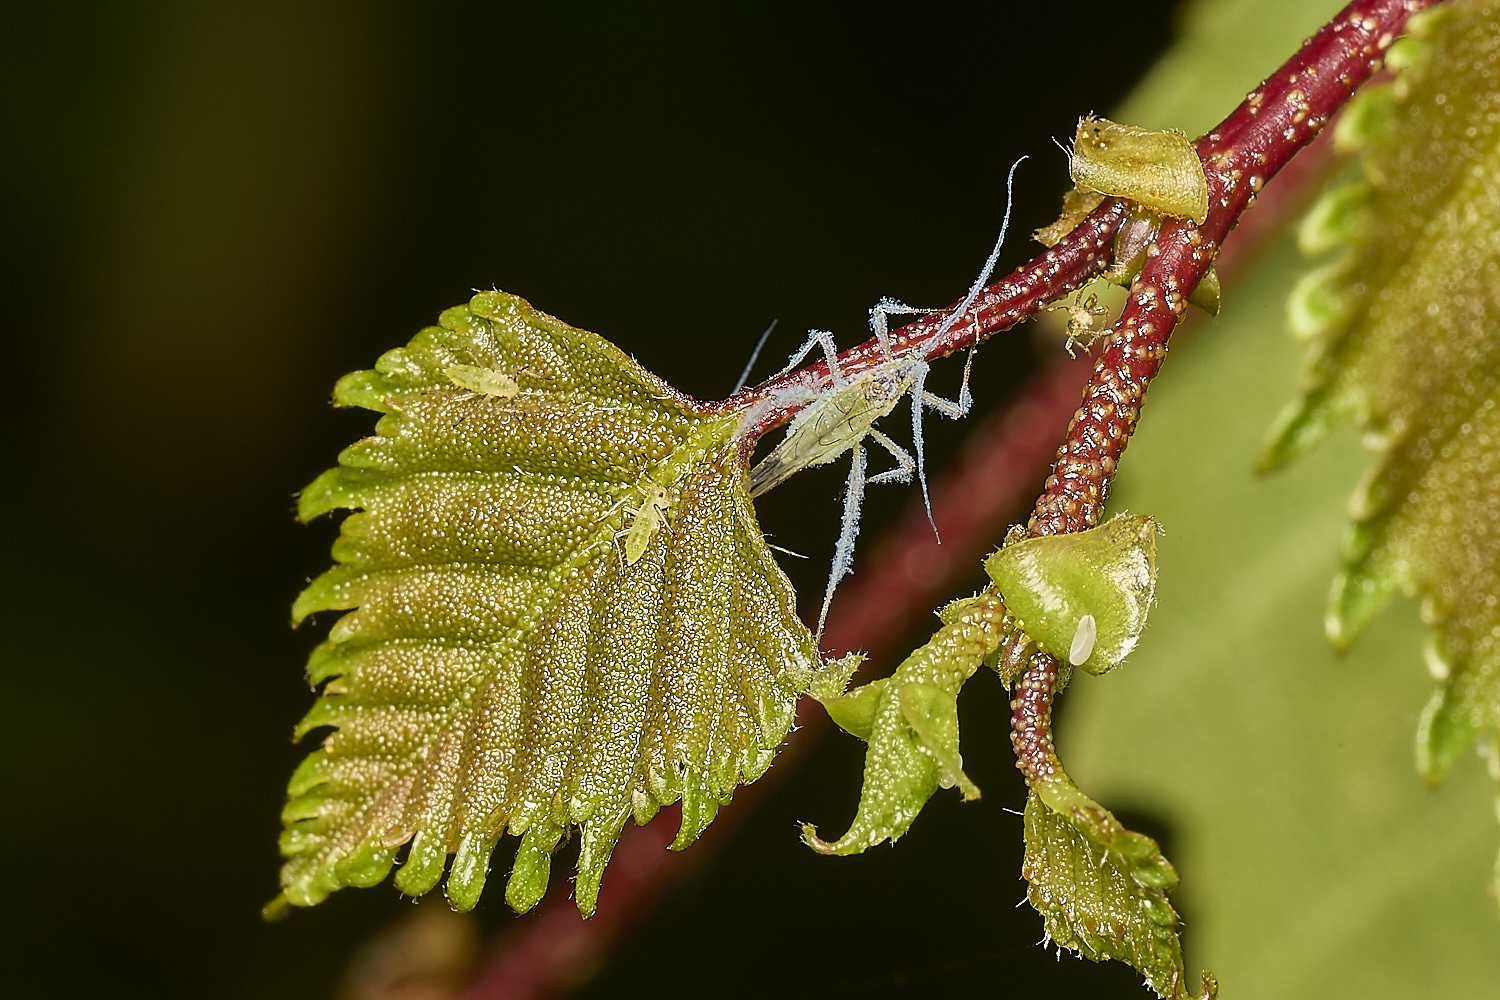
[1239,156]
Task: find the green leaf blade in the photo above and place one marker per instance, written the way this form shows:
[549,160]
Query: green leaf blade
[1093,900]
[1412,352]
[502,667]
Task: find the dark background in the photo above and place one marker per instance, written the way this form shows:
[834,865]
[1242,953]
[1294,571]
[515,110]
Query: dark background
[211,210]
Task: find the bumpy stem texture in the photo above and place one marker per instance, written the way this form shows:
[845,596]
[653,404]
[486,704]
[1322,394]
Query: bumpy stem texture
[1249,147]
[546,948]
[1071,264]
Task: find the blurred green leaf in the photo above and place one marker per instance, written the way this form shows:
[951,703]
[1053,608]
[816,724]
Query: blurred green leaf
[1406,343]
[1315,863]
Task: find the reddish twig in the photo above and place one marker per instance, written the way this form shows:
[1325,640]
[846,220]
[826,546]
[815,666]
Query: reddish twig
[549,950]
[1075,261]
[552,949]
[1247,149]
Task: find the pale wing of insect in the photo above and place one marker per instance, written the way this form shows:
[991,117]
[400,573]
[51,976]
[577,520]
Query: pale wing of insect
[836,422]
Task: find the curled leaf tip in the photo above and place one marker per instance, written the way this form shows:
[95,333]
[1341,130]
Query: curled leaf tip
[910,721]
[1107,575]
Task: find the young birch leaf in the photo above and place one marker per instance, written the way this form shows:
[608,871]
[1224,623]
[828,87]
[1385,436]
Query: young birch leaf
[506,668]
[1101,891]
[910,721]
[1406,341]
[1081,597]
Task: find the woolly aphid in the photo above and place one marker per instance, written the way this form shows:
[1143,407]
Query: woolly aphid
[838,417]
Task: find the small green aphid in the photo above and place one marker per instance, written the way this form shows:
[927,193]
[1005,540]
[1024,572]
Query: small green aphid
[648,519]
[483,381]
[839,419]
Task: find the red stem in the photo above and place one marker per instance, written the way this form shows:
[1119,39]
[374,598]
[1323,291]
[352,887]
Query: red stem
[1247,149]
[1072,263]
[545,952]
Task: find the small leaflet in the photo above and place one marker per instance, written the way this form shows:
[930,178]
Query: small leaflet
[910,721]
[1051,584]
[1101,890]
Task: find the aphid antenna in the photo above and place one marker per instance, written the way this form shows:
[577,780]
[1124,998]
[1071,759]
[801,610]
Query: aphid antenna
[989,264]
[920,397]
[754,357]
[1066,150]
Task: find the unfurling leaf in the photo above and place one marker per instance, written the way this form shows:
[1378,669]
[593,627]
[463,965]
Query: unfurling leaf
[1405,324]
[526,654]
[910,721]
[1159,170]
[1101,891]
[1081,597]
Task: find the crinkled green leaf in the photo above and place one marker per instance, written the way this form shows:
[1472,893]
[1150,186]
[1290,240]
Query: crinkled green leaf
[1108,573]
[1101,889]
[506,666]
[1406,328]
[1314,862]
[910,721]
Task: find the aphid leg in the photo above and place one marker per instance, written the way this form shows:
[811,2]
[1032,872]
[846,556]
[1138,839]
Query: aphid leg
[965,399]
[947,407]
[886,307]
[918,400]
[843,553]
[905,466]
[754,356]
[922,399]
[830,351]
[620,549]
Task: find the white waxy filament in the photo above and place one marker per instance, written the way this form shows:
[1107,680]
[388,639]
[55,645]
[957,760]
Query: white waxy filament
[1083,640]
